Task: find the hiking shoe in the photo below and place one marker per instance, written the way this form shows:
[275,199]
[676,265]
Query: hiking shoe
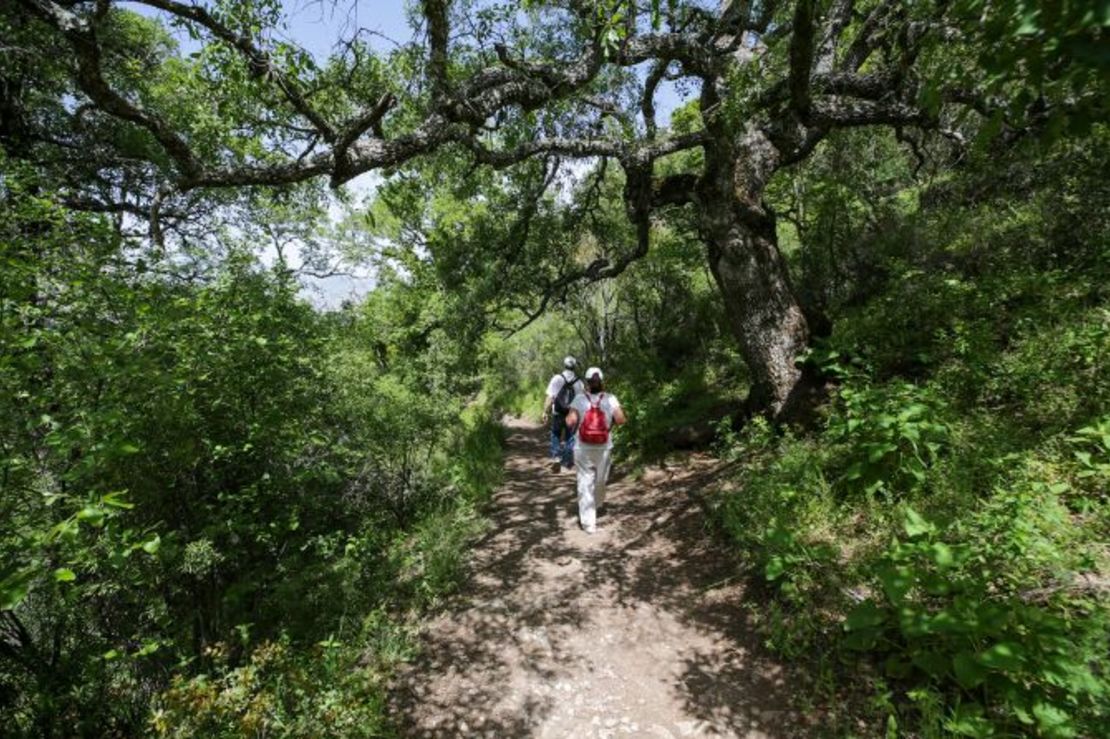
[590,529]
[555,465]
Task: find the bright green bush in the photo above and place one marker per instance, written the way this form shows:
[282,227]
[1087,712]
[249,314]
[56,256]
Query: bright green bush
[195,475]
[981,612]
[937,538]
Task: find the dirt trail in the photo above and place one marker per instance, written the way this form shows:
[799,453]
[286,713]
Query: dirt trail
[628,632]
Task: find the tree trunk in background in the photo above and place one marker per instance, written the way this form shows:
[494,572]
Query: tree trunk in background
[763,310]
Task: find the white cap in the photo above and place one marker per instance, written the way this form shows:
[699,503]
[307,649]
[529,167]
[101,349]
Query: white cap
[570,362]
[594,372]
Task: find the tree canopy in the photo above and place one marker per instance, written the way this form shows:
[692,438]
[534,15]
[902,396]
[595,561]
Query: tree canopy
[499,85]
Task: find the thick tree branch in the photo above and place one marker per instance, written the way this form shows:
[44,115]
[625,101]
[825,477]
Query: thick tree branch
[801,56]
[82,38]
[647,102]
[261,64]
[696,57]
[847,113]
[435,14]
[582,148]
[369,120]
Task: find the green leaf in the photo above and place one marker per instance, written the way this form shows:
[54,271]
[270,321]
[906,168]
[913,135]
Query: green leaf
[774,568]
[1029,26]
[915,525]
[942,554]
[865,615]
[115,500]
[968,720]
[92,515]
[64,574]
[896,581]
[66,530]
[1005,656]
[151,546]
[1053,721]
[149,647]
[933,664]
[14,587]
[969,673]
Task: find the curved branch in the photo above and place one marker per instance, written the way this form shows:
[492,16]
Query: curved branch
[647,102]
[82,38]
[261,64]
[801,56]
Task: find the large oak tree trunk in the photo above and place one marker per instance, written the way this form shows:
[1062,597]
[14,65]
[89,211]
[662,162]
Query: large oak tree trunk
[763,310]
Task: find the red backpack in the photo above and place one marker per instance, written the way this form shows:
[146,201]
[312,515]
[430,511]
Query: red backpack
[594,428]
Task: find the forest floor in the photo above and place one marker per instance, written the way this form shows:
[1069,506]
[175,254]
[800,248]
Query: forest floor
[637,630]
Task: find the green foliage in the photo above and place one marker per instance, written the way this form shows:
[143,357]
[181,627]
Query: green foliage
[195,473]
[279,689]
[939,538]
[223,509]
[892,433]
[1091,447]
[960,615]
[1054,50]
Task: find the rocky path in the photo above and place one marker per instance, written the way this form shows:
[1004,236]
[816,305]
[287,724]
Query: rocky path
[628,632]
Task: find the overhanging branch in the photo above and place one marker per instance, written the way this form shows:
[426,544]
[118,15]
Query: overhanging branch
[801,56]
[261,63]
[82,39]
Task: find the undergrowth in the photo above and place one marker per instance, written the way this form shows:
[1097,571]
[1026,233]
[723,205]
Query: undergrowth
[337,686]
[938,541]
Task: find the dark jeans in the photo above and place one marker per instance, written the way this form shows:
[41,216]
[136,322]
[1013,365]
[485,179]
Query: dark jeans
[560,449]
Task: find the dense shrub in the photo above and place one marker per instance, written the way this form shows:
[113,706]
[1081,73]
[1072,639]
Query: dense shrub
[212,493]
[938,539]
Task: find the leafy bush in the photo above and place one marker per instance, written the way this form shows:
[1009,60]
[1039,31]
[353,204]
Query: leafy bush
[939,542]
[980,611]
[278,690]
[891,434]
[194,475]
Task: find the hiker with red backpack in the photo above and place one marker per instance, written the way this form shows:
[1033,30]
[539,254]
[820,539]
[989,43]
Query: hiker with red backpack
[598,412]
[561,392]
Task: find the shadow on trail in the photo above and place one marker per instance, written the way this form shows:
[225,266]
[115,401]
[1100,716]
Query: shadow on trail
[626,632]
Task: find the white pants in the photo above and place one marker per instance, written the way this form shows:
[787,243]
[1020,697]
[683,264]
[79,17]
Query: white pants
[592,463]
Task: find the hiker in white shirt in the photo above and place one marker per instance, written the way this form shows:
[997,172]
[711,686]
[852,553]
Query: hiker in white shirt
[561,391]
[592,416]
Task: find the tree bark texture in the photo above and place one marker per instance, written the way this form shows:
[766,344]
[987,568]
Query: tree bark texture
[762,308]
